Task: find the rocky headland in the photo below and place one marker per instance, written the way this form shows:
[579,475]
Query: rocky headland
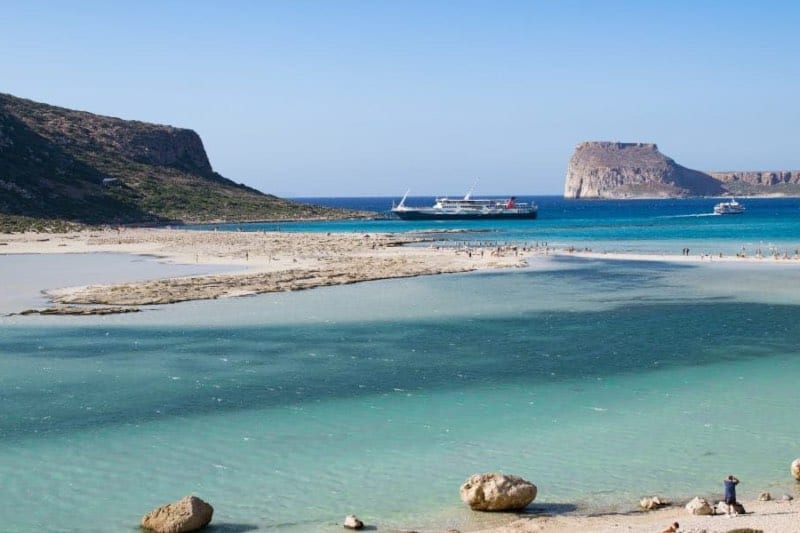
[61,167]
[616,170]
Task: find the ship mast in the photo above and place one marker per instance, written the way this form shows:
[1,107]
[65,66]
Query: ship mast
[403,200]
[468,196]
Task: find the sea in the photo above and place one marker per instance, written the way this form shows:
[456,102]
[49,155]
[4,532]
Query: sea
[600,380]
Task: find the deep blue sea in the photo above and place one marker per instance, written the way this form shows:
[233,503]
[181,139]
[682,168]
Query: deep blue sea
[610,225]
[599,380]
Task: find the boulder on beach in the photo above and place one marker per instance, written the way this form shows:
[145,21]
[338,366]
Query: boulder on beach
[722,508]
[764,497]
[497,492]
[699,506]
[190,513]
[352,522]
[796,469]
[650,503]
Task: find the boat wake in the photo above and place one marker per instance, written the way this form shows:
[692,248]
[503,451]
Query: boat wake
[692,215]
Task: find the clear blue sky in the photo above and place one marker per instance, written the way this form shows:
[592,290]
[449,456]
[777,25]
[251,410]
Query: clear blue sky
[371,97]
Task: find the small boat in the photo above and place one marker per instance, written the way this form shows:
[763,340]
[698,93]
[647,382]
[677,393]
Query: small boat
[731,207]
[467,208]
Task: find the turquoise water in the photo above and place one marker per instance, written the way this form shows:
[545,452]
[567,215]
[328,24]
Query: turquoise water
[647,226]
[769,225]
[600,381]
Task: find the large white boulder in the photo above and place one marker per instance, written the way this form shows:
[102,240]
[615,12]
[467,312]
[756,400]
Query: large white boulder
[722,508]
[796,469]
[497,492]
[351,521]
[650,503]
[699,506]
[190,513]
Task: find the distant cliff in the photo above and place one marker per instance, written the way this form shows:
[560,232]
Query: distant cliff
[639,170]
[72,166]
[766,182]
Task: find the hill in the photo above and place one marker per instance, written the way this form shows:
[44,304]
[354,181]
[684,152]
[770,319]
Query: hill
[63,167]
[639,170]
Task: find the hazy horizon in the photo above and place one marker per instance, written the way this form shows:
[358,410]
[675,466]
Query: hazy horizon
[357,98]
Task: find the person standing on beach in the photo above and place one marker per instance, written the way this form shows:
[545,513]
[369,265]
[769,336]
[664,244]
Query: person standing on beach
[730,494]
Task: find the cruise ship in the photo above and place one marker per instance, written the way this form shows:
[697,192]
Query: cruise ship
[467,208]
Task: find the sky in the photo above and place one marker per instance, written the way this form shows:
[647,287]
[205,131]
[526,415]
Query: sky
[303,98]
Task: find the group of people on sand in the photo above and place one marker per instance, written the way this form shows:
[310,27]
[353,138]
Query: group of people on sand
[729,483]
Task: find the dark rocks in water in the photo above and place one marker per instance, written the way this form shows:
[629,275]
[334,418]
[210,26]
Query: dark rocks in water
[81,310]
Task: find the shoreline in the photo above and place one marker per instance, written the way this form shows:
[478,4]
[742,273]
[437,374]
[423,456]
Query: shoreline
[263,262]
[776,516]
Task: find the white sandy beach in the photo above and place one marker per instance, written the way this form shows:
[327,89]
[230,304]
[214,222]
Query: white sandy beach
[279,261]
[768,516]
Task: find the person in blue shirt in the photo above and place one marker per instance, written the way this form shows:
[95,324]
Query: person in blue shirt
[730,493]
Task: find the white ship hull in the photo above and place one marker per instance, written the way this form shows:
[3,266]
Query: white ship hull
[467,208]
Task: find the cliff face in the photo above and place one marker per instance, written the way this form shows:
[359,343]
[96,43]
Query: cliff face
[638,170]
[88,135]
[74,166]
[759,178]
[632,170]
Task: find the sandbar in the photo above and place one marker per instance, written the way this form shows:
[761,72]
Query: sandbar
[264,261]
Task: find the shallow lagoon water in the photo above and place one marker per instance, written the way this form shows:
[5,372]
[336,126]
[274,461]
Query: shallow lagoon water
[600,381]
[26,276]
